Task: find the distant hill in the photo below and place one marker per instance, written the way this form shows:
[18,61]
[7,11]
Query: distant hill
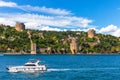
[13,41]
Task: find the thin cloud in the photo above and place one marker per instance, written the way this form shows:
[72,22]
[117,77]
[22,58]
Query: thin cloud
[27,8]
[116,33]
[111,29]
[7,4]
[60,23]
[44,9]
[34,20]
[47,28]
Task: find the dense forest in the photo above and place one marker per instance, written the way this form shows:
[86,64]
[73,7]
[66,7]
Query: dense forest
[13,41]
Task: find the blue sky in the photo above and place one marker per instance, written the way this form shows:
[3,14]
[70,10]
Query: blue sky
[62,15]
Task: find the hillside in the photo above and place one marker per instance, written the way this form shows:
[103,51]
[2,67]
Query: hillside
[47,42]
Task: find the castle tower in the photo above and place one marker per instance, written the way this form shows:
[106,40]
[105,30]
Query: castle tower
[73,44]
[33,48]
[91,33]
[41,35]
[33,45]
[19,26]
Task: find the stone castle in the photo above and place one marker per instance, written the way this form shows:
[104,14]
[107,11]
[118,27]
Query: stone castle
[91,33]
[72,40]
[19,26]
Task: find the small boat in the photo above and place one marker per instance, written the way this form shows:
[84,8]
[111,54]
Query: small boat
[28,67]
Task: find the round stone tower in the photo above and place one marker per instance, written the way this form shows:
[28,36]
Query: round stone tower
[20,26]
[91,33]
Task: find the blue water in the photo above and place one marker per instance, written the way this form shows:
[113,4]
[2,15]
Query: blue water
[65,67]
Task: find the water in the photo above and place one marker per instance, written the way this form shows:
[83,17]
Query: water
[65,67]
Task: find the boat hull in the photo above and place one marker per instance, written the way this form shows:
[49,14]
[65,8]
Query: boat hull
[41,68]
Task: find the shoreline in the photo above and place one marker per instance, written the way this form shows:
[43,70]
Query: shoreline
[63,54]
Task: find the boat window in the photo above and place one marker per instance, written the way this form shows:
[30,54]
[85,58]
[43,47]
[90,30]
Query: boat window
[30,65]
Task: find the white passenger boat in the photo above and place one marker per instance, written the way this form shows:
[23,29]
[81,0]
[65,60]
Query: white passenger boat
[28,67]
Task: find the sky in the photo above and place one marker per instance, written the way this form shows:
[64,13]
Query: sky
[62,15]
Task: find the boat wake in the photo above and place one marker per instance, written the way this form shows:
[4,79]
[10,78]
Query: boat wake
[80,69]
[52,69]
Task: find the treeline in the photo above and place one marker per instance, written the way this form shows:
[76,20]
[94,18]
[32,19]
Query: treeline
[12,41]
